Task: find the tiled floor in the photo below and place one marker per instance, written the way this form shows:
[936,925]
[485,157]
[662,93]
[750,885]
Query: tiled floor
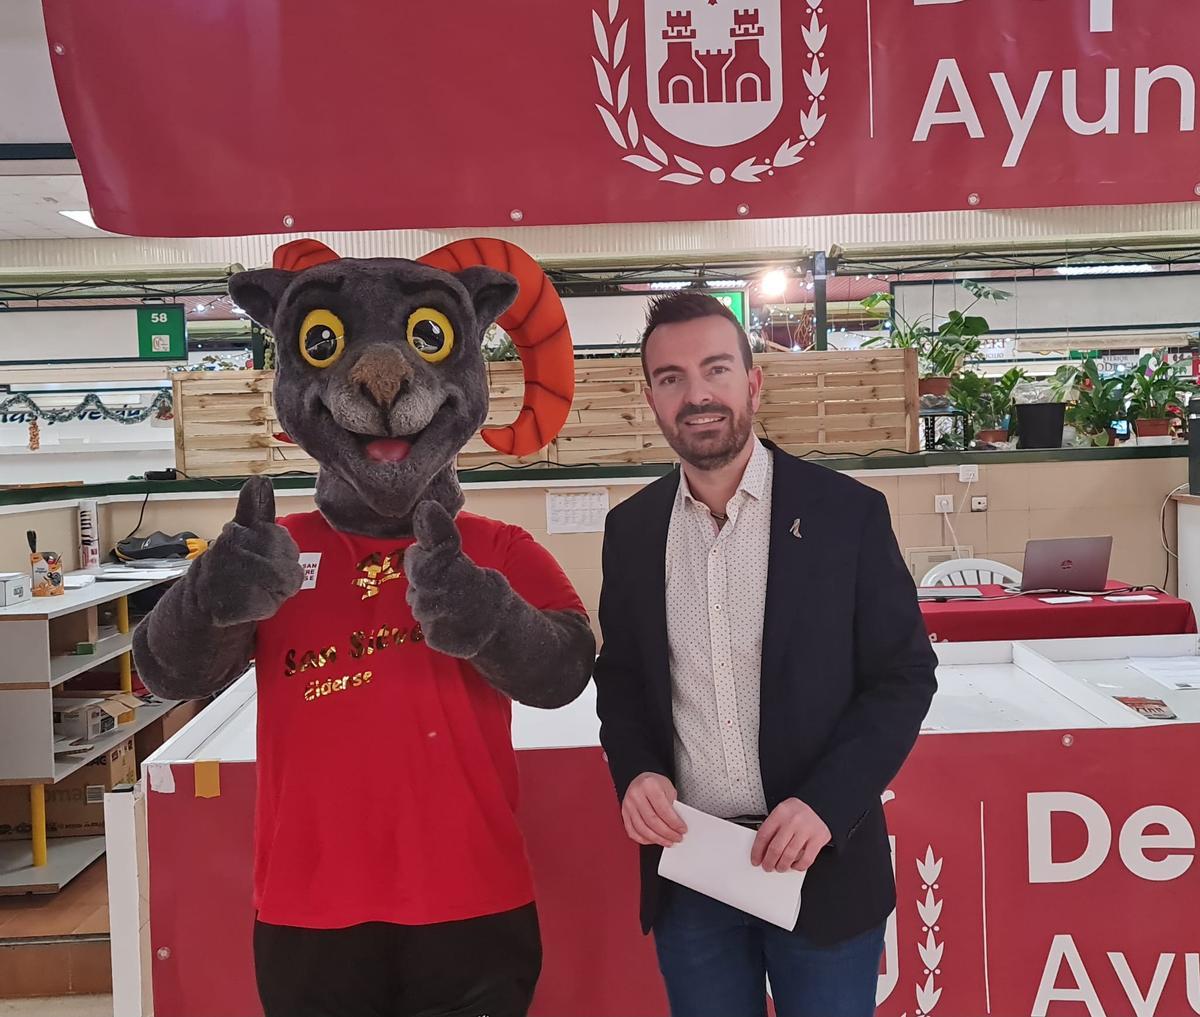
[66,1006]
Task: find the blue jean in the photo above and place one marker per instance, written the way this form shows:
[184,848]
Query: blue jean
[716,960]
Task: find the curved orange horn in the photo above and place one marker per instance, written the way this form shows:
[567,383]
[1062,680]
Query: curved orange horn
[537,324]
[297,255]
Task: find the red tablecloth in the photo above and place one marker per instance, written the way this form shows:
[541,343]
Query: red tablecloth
[1026,617]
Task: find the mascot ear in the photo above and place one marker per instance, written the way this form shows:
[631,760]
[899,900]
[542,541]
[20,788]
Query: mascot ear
[492,292]
[258,293]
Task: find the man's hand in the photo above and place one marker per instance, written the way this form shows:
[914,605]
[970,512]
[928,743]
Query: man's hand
[649,811]
[790,838]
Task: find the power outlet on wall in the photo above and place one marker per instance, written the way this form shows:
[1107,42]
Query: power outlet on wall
[943,503]
[979,503]
[968,474]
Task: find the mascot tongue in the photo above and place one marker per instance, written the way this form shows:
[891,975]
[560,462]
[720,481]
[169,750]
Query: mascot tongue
[388,450]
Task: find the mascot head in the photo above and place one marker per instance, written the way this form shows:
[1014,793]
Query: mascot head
[380,375]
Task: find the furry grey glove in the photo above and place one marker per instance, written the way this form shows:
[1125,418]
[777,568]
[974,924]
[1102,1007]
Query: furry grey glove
[200,636]
[539,658]
[254,566]
[458,604]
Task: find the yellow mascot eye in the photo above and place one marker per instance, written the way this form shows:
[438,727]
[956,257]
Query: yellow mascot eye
[430,334]
[322,338]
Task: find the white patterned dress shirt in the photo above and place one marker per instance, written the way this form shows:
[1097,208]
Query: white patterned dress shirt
[716,598]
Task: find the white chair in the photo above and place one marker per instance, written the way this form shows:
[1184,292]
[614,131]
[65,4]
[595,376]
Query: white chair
[971,572]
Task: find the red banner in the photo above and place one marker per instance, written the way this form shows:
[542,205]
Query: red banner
[225,117]
[1039,874]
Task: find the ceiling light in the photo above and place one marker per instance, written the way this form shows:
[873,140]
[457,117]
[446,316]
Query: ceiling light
[774,283]
[84,217]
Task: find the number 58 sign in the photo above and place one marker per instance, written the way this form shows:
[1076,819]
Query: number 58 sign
[161,333]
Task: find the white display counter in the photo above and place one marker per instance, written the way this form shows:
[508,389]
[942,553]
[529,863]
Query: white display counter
[1005,824]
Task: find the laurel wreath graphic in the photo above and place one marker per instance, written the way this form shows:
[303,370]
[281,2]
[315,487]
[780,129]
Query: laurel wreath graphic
[930,910]
[621,120]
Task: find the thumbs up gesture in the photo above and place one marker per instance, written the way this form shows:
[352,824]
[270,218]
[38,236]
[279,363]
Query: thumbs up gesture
[458,604]
[254,566]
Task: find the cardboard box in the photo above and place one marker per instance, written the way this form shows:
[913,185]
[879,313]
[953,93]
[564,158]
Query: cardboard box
[152,737]
[75,805]
[14,588]
[85,719]
[122,707]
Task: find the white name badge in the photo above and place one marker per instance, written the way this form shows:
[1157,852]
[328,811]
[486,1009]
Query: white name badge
[311,560]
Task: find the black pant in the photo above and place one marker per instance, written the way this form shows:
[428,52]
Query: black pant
[485,967]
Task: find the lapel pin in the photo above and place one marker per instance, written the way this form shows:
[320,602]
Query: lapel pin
[796,529]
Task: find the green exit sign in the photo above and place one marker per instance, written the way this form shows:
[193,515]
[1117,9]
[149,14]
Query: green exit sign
[162,332]
[735,300]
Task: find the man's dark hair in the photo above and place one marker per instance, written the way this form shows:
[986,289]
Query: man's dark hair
[688,305]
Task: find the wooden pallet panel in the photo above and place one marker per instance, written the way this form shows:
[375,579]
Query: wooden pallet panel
[225,422]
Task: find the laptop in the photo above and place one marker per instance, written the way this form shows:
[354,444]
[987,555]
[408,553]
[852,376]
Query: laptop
[1072,564]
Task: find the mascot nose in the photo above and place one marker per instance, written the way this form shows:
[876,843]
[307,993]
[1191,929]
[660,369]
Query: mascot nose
[383,373]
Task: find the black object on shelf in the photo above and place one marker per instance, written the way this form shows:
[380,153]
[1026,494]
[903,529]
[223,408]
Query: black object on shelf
[942,427]
[1040,425]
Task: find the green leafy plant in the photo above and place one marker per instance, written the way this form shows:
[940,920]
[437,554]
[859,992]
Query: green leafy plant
[986,401]
[1099,401]
[498,345]
[1157,388]
[941,350]
[1064,383]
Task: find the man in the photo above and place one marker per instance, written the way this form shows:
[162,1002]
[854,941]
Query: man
[764,660]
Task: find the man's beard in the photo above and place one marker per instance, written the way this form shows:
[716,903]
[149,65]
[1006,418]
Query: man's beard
[714,446]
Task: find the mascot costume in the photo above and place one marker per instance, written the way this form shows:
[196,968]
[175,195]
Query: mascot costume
[390,632]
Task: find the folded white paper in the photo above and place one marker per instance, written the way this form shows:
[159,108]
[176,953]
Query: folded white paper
[1178,674]
[714,859]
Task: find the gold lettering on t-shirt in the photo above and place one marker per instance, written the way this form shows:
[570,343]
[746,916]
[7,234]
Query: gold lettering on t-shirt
[363,643]
[309,660]
[317,688]
[378,569]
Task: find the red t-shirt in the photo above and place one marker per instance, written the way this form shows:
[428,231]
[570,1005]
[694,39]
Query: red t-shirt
[387,781]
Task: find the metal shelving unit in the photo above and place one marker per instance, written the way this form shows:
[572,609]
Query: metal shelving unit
[29,677]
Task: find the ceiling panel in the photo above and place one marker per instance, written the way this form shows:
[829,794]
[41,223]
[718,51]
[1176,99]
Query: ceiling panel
[29,110]
[30,206]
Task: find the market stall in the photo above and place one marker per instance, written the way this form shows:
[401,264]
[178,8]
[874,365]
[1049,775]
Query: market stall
[1032,869]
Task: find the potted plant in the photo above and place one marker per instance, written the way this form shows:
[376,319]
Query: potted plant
[941,350]
[987,403]
[1099,401]
[1157,391]
[1040,408]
